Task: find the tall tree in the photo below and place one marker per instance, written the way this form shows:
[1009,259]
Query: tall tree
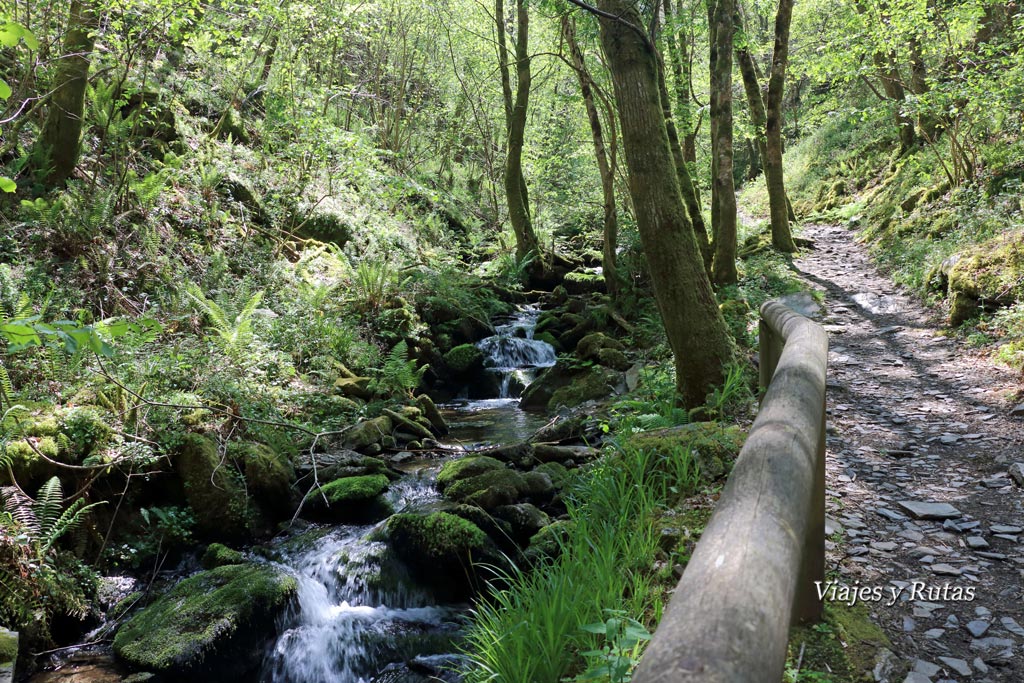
[723,196]
[695,328]
[59,143]
[607,155]
[516,106]
[679,61]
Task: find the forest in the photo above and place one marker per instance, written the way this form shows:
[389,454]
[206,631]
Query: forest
[374,340]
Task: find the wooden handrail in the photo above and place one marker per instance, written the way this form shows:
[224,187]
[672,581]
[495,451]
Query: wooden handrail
[752,574]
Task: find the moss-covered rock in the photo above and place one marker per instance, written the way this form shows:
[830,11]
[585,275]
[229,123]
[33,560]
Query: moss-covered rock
[211,626]
[86,431]
[590,345]
[354,387]
[595,382]
[8,650]
[219,555]
[213,488]
[433,415]
[269,478]
[481,481]
[549,541]
[403,424]
[465,360]
[556,473]
[442,550]
[991,274]
[463,468]
[350,499]
[714,446]
[524,520]
[367,433]
[582,282]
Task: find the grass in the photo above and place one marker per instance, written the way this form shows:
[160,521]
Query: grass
[533,631]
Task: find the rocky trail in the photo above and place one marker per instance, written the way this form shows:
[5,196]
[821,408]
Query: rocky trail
[924,477]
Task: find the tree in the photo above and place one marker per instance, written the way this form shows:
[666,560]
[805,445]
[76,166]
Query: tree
[59,143]
[515,127]
[766,117]
[606,155]
[695,328]
[723,190]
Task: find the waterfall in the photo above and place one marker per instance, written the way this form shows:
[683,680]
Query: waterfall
[513,354]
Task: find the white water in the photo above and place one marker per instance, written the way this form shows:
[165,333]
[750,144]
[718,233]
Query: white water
[513,353]
[357,610]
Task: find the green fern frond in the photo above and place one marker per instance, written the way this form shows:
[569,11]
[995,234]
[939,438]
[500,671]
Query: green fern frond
[21,509]
[48,505]
[70,520]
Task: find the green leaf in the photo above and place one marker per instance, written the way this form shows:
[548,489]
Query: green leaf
[10,34]
[7,185]
[19,334]
[5,90]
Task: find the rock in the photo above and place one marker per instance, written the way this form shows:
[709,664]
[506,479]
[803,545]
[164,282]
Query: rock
[465,361]
[925,510]
[958,665]
[976,542]
[563,428]
[404,424]
[1005,529]
[8,654]
[524,520]
[354,387]
[367,433]
[590,346]
[1016,473]
[211,626]
[538,486]
[340,462]
[269,479]
[977,627]
[560,387]
[351,499]
[1011,625]
[431,412]
[926,668]
[218,555]
[884,546]
[214,491]
[1017,411]
[915,677]
[443,550]
[714,446]
[945,570]
[549,453]
[549,542]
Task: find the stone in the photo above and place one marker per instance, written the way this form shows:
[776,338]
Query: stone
[885,546]
[945,570]
[976,542]
[432,414]
[1016,473]
[1017,411]
[367,433]
[977,627]
[915,677]
[980,665]
[1011,625]
[350,499]
[926,510]
[891,515]
[934,633]
[213,490]
[926,668]
[958,665]
[212,626]
[1005,529]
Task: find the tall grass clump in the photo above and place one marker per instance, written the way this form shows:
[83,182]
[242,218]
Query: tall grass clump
[541,626]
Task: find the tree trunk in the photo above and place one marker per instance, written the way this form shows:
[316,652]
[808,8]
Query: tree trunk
[59,144]
[695,328]
[782,238]
[605,161]
[515,119]
[679,60]
[686,185]
[724,262]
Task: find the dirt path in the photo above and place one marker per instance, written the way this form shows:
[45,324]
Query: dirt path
[916,418]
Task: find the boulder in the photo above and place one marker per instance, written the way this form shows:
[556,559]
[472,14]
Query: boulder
[589,347]
[989,275]
[593,383]
[354,387]
[465,361]
[213,489]
[548,542]
[367,433]
[269,479]
[714,446]
[8,654]
[401,423]
[431,412]
[219,555]
[481,481]
[524,520]
[351,499]
[211,626]
[443,550]
[342,462]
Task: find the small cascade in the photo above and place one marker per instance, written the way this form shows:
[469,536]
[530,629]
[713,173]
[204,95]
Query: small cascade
[357,609]
[513,354]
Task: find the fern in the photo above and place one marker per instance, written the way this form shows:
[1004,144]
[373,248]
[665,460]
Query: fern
[46,520]
[399,373]
[234,335]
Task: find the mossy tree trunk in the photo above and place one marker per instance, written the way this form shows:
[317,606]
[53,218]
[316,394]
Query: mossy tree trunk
[782,238]
[606,156]
[59,143]
[720,16]
[693,323]
[516,106]
[679,61]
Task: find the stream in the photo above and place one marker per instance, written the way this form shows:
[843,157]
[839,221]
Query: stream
[358,617]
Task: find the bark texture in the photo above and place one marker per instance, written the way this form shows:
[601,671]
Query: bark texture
[695,328]
[59,144]
[782,238]
[724,262]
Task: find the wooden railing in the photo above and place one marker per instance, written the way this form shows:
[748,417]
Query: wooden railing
[752,574]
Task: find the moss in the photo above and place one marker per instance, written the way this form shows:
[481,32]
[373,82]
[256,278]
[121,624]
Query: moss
[714,445]
[845,644]
[125,604]
[85,429]
[213,490]
[464,359]
[8,646]
[992,272]
[578,282]
[219,555]
[489,489]
[589,347]
[556,472]
[595,382]
[207,623]
[367,433]
[436,536]
[269,477]
[453,470]
[351,499]
[547,544]
[549,338]
[41,426]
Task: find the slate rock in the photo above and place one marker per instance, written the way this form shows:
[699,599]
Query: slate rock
[958,665]
[926,510]
[977,627]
